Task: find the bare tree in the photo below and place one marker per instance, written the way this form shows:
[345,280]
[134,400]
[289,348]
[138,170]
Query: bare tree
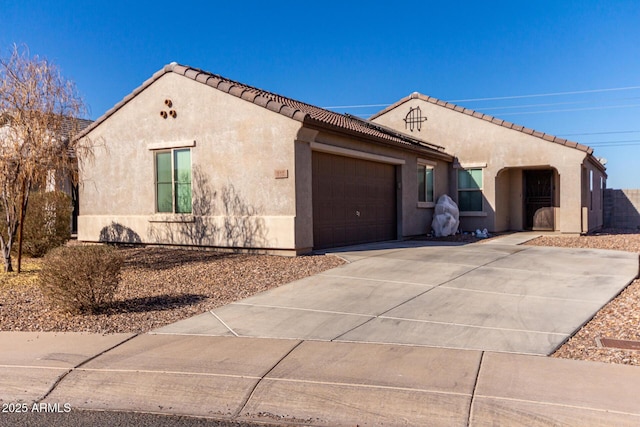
[38,111]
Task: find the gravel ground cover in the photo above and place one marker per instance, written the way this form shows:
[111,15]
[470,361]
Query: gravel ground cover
[620,319]
[159,286]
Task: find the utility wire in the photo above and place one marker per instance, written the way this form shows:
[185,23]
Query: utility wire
[538,95]
[608,107]
[600,147]
[599,133]
[622,140]
[612,143]
[600,144]
[498,98]
[357,106]
[549,104]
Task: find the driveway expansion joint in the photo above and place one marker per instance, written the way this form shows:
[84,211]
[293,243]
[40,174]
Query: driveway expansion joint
[474,390]
[79,365]
[243,405]
[224,323]
[382,315]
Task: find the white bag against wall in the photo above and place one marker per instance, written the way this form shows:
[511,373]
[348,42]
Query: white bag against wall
[446,217]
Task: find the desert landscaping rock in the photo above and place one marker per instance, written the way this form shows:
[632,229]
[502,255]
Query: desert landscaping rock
[160,286]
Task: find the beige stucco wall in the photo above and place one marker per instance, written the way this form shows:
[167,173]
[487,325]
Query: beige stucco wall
[413,219]
[592,196]
[238,147]
[503,153]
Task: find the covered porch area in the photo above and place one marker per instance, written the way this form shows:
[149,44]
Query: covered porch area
[527,198]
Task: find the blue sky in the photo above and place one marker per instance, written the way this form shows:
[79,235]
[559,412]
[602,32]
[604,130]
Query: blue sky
[340,53]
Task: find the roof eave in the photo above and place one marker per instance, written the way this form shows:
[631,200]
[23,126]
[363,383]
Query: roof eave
[596,162]
[427,151]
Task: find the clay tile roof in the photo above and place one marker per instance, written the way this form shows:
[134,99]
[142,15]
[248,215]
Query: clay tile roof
[300,111]
[486,117]
[69,126]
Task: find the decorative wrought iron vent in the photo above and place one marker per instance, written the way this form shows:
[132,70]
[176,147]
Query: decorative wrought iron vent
[414,119]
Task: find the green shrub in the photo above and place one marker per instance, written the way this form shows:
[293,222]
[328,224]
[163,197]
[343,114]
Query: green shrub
[47,224]
[80,279]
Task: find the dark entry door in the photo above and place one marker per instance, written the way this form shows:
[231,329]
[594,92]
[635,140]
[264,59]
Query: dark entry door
[354,201]
[538,193]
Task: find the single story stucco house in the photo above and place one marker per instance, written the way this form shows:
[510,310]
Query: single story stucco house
[506,176]
[193,158]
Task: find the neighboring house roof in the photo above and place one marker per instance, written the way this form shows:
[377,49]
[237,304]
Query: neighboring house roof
[305,113]
[488,118]
[69,125]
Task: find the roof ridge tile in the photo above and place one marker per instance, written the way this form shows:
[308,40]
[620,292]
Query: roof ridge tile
[224,86]
[202,78]
[486,117]
[179,69]
[274,105]
[237,91]
[296,110]
[261,101]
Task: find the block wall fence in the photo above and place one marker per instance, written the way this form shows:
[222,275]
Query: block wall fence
[622,209]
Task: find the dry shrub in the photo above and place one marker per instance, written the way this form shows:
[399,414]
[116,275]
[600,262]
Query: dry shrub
[48,222]
[81,279]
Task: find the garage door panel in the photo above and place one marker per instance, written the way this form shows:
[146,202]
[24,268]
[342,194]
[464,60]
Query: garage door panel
[354,201]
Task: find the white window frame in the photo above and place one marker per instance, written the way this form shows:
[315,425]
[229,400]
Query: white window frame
[591,185]
[172,152]
[157,147]
[471,166]
[427,164]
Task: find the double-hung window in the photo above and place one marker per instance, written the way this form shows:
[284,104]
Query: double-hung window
[470,190]
[425,184]
[173,181]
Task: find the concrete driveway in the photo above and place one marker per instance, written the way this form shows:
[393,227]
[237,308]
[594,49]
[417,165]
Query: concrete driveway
[495,296]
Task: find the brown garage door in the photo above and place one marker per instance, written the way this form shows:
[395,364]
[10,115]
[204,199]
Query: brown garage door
[354,201]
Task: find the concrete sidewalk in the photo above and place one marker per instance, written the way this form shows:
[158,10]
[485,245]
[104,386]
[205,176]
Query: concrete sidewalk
[312,382]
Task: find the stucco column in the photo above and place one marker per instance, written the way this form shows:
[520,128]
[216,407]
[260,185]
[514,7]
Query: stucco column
[304,185]
[570,213]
